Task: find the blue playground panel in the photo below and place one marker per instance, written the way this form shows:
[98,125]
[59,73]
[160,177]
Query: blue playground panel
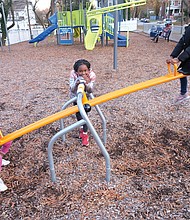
[65,36]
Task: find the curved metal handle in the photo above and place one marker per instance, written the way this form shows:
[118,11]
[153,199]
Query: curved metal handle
[175,69]
[175,72]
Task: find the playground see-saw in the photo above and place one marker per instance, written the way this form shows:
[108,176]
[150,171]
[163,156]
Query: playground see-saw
[93,24]
[83,106]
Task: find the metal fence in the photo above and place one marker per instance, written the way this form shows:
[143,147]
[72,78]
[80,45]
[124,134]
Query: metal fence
[17,36]
[177,31]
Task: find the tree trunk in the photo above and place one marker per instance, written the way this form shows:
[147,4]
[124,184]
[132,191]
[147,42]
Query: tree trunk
[52,7]
[4,10]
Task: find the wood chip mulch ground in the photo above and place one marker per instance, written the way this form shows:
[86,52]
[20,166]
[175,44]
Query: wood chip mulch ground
[148,136]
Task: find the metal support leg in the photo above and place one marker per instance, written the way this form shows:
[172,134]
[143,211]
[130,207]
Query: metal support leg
[62,120]
[95,135]
[103,120]
[52,141]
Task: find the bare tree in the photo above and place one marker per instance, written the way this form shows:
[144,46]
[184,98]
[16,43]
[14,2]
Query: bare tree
[186,10]
[155,5]
[40,15]
[8,7]
[52,7]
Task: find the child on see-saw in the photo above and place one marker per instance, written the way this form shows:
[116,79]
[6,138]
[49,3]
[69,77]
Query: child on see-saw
[82,68]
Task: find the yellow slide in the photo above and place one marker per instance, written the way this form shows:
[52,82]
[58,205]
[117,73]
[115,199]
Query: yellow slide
[94,26]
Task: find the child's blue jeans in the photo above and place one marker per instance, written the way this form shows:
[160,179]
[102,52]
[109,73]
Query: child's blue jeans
[183,82]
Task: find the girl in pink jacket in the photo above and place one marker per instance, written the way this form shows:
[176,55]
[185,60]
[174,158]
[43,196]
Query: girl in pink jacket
[82,69]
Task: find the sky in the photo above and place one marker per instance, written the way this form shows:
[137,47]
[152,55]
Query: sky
[43,4]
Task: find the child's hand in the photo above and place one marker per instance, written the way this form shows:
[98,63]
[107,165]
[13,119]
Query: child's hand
[77,83]
[175,61]
[168,61]
[86,78]
[172,60]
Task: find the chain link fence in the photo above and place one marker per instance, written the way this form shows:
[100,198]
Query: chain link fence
[177,31]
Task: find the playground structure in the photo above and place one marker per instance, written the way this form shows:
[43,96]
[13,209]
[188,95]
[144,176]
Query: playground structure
[95,24]
[81,99]
[100,23]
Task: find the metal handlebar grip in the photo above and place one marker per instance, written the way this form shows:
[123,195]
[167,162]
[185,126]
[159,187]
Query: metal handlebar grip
[80,88]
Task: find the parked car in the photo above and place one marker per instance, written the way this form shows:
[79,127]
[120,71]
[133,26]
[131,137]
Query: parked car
[160,22]
[169,21]
[145,20]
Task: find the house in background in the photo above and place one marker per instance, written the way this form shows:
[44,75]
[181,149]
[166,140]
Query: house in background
[173,8]
[22,15]
[25,27]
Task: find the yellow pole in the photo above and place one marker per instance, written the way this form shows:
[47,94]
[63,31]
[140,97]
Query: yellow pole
[1,135]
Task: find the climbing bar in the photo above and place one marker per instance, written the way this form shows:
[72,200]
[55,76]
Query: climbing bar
[116,7]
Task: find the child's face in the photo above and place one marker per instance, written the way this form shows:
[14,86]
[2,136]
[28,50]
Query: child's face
[83,70]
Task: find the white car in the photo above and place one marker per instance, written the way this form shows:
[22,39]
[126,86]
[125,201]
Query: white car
[145,20]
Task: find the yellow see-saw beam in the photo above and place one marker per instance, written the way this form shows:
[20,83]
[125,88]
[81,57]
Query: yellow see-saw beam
[98,100]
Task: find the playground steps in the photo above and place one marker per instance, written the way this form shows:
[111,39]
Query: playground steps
[121,40]
[121,43]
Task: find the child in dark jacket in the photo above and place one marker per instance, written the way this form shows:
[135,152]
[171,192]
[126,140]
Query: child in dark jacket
[181,55]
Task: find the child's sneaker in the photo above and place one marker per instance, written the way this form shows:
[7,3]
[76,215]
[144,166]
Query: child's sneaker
[5,162]
[1,161]
[182,98]
[5,147]
[85,141]
[3,187]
